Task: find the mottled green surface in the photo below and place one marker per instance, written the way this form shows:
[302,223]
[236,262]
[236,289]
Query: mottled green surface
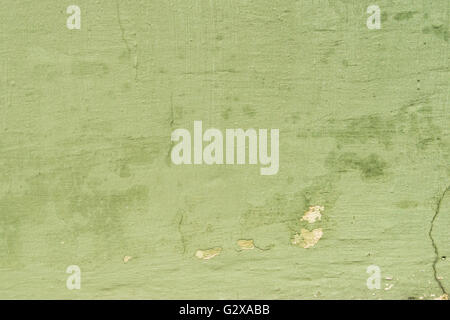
[85,171]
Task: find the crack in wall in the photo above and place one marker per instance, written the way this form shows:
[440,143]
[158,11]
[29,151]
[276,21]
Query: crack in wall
[122,30]
[171,124]
[433,243]
[125,41]
[183,240]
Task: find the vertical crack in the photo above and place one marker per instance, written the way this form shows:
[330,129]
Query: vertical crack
[125,41]
[122,30]
[433,243]
[183,240]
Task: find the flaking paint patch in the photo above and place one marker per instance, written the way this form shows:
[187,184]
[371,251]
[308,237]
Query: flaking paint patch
[246,244]
[313,214]
[307,239]
[127,258]
[208,253]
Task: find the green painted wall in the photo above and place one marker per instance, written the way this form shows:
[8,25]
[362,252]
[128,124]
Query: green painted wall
[86,177]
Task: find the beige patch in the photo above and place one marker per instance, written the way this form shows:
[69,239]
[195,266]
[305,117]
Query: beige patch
[314,213]
[307,239]
[388,287]
[126,259]
[443,297]
[246,244]
[208,254]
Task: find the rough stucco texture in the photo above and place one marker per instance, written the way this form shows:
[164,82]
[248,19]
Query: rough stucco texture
[86,177]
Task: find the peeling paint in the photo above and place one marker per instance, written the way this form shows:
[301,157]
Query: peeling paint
[127,258]
[388,287]
[307,239]
[314,213]
[208,254]
[246,244]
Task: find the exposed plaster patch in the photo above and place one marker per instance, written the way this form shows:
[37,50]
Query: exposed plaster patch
[443,297]
[208,254]
[246,244]
[126,259]
[307,239]
[388,287]
[314,213]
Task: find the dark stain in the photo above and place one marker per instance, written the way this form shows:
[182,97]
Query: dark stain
[407,204]
[439,31]
[405,15]
[372,166]
[226,113]
[87,68]
[124,171]
[47,71]
[248,111]
[362,129]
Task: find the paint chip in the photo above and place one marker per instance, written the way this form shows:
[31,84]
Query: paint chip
[388,287]
[246,244]
[313,214]
[126,259]
[307,239]
[208,254]
[443,297]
